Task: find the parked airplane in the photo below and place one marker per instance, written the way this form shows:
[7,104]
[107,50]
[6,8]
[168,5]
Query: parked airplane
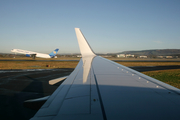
[35,54]
[100,89]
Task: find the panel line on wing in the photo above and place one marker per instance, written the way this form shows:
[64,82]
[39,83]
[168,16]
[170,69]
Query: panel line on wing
[100,98]
[76,97]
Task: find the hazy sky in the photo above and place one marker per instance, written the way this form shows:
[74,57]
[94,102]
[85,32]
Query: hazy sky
[108,25]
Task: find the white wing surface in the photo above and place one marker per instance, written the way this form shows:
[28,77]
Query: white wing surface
[100,89]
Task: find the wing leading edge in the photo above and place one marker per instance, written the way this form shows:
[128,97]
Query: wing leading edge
[102,89]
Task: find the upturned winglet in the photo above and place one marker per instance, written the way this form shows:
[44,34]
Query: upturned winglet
[85,48]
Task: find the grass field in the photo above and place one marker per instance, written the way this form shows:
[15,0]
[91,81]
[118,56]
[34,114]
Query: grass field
[148,63]
[37,64]
[67,64]
[171,77]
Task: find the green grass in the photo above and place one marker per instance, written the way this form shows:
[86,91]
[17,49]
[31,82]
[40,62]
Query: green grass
[148,63]
[67,64]
[171,77]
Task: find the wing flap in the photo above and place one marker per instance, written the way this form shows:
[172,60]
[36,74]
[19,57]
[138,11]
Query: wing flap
[54,81]
[54,103]
[76,105]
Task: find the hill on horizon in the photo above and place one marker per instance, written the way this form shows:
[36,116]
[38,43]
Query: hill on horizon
[156,52]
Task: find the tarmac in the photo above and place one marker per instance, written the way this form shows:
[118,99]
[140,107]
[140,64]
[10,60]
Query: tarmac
[16,86]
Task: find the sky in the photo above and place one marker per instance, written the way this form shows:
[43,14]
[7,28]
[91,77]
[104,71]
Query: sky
[110,26]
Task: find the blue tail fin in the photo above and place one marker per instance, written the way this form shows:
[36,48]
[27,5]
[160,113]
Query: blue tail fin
[53,53]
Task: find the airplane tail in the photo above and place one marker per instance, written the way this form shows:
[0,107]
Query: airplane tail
[53,53]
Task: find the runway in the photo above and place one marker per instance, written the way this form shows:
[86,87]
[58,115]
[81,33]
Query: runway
[16,86]
[126,60]
[39,60]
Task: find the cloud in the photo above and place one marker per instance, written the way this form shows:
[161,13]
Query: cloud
[158,42]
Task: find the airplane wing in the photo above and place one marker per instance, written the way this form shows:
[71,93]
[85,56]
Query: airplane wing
[100,89]
[23,51]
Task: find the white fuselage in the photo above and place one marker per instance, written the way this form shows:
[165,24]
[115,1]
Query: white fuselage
[41,55]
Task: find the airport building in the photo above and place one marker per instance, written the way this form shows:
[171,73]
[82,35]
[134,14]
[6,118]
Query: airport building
[125,55]
[143,56]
